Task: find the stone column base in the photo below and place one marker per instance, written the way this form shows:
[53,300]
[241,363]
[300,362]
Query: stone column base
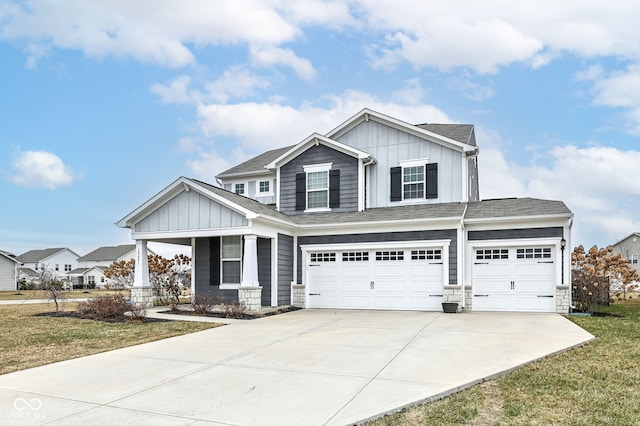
[142,296]
[299,295]
[251,297]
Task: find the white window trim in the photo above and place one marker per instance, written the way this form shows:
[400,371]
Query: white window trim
[245,186]
[264,194]
[230,286]
[413,163]
[424,183]
[314,168]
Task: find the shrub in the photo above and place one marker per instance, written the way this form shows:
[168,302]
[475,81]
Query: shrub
[234,309]
[203,304]
[104,307]
[589,290]
[138,312]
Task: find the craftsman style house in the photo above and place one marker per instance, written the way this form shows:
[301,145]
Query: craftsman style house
[375,214]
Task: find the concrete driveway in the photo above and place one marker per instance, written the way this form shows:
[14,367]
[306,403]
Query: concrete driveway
[311,367]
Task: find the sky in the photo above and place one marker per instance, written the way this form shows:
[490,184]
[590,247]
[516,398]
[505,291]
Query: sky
[105,103]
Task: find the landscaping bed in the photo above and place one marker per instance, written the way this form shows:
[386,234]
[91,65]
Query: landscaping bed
[221,313]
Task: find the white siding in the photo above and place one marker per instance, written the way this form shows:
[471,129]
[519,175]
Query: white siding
[190,210]
[389,146]
[7,274]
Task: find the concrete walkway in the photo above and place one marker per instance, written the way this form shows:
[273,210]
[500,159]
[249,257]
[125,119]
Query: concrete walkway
[311,367]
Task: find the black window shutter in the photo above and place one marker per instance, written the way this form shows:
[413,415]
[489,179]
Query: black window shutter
[301,191]
[432,180]
[214,259]
[334,188]
[396,184]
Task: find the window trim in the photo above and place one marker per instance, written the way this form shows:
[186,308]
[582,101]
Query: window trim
[317,168]
[244,188]
[421,195]
[633,259]
[259,191]
[223,285]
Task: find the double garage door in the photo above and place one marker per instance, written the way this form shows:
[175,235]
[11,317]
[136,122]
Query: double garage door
[514,279]
[388,278]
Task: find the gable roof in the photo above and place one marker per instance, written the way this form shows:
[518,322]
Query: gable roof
[34,256]
[634,234]
[82,271]
[255,165]
[442,139]
[8,256]
[316,139]
[108,253]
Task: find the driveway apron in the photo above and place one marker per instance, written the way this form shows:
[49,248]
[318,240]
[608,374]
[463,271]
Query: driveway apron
[313,367]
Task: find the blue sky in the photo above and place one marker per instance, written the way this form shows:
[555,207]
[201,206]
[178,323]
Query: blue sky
[104,103]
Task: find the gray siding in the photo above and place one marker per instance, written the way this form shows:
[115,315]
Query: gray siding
[190,210]
[285,269]
[446,234]
[347,165]
[389,146]
[511,234]
[264,269]
[207,275]
[7,274]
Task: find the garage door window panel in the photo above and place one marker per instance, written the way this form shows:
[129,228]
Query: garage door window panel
[389,255]
[322,257]
[435,254]
[534,253]
[492,254]
[355,256]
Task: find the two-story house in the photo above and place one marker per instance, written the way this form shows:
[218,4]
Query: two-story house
[60,261]
[91,266]
[376,214]
[629,248]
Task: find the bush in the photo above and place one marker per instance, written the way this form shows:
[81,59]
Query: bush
[234,309]
[27,285]
[203,304]
[138,312]
[589,290]
[104,307]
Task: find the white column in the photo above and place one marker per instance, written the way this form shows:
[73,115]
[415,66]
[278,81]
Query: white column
[250,262]
[141,274]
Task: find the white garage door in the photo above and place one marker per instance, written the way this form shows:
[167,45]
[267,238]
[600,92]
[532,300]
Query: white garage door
[376,279]
[514,279]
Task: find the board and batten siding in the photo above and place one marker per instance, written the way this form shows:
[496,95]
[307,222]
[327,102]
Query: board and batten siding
[285,269]
[389,146]
[7,274]
[388,237]
[320,154]
[190,210]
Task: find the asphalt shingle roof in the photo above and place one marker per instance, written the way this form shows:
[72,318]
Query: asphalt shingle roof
[458,132]
[513,207]
[107,253]
[255,164]
[33,256]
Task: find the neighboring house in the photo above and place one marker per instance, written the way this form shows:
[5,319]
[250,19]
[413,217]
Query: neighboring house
[629,248]
[8,271]
[61,260]
[91,267]
[375,214]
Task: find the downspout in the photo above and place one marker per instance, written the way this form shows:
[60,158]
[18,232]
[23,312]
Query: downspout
[463,249]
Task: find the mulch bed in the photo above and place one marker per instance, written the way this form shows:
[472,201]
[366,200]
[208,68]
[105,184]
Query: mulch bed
[246,315]
[79,315]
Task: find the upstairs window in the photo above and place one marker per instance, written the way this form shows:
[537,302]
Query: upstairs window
[412,182]
[633,259]
[239,188]
[67,268]
[264,187]
[318,190]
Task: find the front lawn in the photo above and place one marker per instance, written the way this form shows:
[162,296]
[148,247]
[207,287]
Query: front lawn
[41,294]
[596,384]
[29,341]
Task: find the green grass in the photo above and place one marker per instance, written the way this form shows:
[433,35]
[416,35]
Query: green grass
[597,384]
[30,341]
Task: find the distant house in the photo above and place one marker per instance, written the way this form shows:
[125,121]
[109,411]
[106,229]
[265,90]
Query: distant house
[629,248]
[8,271]
[91,266]
[59,260]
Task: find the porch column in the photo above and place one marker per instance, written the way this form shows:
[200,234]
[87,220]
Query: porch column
[141,292]
[250,292]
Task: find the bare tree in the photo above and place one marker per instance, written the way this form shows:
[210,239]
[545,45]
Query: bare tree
[54,286]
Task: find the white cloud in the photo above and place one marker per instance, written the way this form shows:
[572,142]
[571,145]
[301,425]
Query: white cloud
[269,56]
[177,91]
[39,169]
[621,89]
[235,83]
[594,182]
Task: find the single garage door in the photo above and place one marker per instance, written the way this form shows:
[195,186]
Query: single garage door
[514,279]
[376,279]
